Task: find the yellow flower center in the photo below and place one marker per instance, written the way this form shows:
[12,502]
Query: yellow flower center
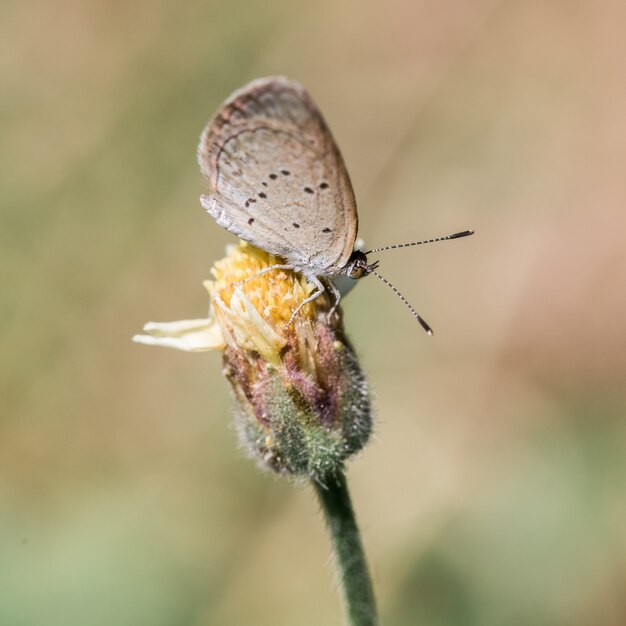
[274,294]
[255,314]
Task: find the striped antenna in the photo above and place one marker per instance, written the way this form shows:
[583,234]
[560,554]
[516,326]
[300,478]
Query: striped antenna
[465,233]
[416,315]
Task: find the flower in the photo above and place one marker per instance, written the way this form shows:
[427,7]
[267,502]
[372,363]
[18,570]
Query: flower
[302,402]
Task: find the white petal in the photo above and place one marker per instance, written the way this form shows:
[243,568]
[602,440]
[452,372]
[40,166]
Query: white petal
[189,335]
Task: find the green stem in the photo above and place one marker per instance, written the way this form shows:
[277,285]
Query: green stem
[354,576]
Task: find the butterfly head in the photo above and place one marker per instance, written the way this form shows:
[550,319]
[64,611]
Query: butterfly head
[357,265]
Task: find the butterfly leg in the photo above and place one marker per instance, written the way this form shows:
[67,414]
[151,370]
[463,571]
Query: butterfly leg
[320,290]
[318,283]
[264,271]
[337,295]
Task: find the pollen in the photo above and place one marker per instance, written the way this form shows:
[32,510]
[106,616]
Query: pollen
[253,307]
[274,294]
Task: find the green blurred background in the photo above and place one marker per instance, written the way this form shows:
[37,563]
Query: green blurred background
[494,490]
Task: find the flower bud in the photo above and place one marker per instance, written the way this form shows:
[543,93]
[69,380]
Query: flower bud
[302,402]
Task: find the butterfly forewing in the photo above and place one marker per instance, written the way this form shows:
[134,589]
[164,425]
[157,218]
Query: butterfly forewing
[276,177]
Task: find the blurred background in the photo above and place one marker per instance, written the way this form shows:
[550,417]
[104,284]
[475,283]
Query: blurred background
[494,490]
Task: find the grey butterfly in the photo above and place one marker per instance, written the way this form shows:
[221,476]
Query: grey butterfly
[277,180]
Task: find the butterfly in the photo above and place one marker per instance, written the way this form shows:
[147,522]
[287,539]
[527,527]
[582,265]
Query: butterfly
[277,180]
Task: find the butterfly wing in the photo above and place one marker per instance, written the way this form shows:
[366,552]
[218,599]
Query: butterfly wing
[276,177]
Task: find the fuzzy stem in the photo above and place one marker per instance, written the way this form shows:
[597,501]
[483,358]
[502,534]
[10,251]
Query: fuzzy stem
[350,558]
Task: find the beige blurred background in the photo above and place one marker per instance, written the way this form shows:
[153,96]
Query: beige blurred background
[494,490]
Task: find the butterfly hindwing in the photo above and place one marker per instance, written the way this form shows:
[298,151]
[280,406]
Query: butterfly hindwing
[276,177]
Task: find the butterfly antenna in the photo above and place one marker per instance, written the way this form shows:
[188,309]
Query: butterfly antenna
[416,315]
[464,233]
